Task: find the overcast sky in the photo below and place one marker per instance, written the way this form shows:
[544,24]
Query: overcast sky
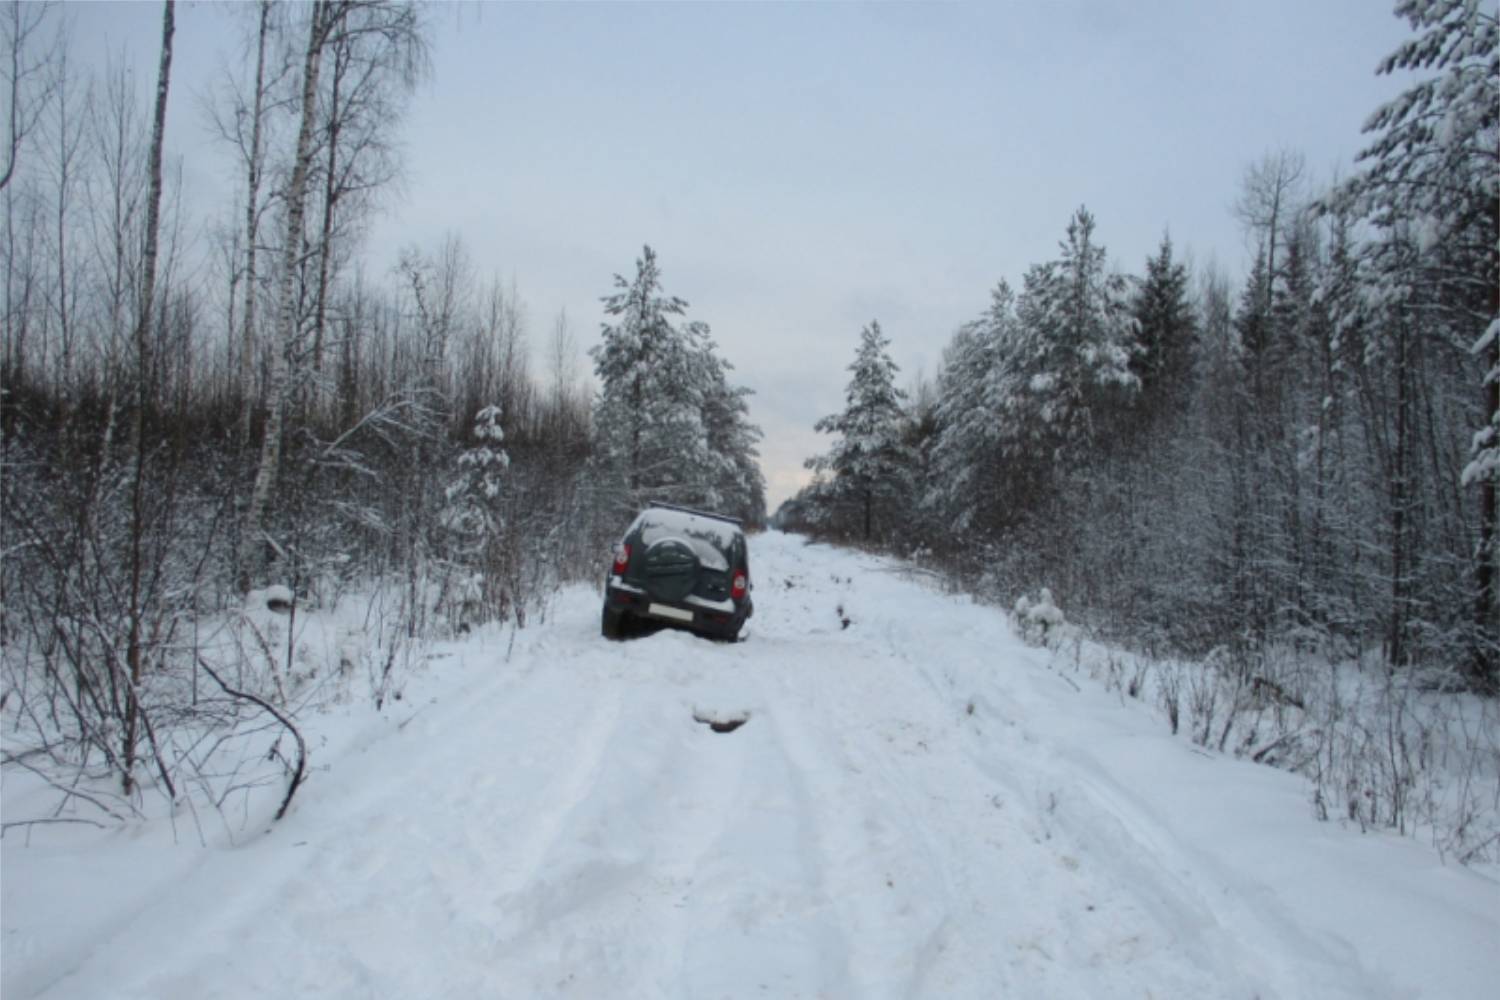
[802,169]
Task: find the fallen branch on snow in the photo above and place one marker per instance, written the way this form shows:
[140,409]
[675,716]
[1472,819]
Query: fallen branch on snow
[301,768]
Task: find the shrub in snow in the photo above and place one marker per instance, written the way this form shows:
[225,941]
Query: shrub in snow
[475,591]
[277,598]
[1380,749]
[471,510]
[1040,620]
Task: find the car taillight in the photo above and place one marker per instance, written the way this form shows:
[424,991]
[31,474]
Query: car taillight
[737,589]
[622,559]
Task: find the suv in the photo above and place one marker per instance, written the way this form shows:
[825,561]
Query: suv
[683,566]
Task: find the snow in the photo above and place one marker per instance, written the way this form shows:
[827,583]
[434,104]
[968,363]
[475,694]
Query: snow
[275,597]
[1429,232]
[710,539]
[919,804]
[1489,336]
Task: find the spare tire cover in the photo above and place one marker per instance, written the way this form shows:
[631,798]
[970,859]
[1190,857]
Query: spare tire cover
[671,568]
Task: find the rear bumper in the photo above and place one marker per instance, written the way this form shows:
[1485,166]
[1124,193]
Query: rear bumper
[695,613]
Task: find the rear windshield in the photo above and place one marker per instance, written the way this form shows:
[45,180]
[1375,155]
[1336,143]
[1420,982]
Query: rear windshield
[712,540]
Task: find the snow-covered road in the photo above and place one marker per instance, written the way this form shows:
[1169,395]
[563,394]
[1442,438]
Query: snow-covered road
[916,806]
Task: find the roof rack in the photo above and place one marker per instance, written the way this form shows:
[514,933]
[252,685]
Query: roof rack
[692,510]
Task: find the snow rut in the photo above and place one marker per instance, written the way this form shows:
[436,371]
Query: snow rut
[950,882]
[855,838]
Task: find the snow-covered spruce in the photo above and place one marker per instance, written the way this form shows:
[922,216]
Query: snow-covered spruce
[668,424]
[864,478]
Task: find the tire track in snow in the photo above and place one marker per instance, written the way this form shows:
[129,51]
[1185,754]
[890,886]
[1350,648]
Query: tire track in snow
[761,889]
[1134,913]
[1031,897]
[862,842]
[642,842]
[1164,909]
[919,916]
[427,860]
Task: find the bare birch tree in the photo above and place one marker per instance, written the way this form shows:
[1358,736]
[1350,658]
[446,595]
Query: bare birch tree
[1270,195]
[332,24]
[253,151]
[144,400]
[66,141]
[28,80]
[251,558]
[376,58]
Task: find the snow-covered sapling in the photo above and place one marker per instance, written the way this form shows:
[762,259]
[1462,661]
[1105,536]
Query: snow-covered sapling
[1038,620]
[473,518]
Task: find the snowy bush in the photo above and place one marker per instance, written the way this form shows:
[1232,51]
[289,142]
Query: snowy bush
[474,589]
[471,511]
[1381,750]
[1039,622]
[276,598]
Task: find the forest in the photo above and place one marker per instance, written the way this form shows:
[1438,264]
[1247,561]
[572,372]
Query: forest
[1306,461]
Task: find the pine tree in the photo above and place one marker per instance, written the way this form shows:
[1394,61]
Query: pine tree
[1258,418]
[472,511]
[669,424]
[1070,365]
[1166,330]
[472,515]
[1335,314]
[1259,355]
[1432,180]
[966,464]
[649,423]
[739,487]
[869,463]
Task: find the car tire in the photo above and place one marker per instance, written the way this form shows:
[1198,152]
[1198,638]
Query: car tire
[612,625]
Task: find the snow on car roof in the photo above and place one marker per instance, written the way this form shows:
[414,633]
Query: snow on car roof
[711,539]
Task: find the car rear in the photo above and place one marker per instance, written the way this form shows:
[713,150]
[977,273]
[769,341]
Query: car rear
[688,568]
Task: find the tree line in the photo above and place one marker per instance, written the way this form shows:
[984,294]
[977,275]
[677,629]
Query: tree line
[1309,459]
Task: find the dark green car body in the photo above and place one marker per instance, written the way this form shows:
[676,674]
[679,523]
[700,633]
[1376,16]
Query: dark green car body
[683,567]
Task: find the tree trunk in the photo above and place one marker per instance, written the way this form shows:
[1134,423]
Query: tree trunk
[66,149]
[1400,500]
[144,369]
[252,229]
[330,199]
[251,556]
[637,401]
[1486,615]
